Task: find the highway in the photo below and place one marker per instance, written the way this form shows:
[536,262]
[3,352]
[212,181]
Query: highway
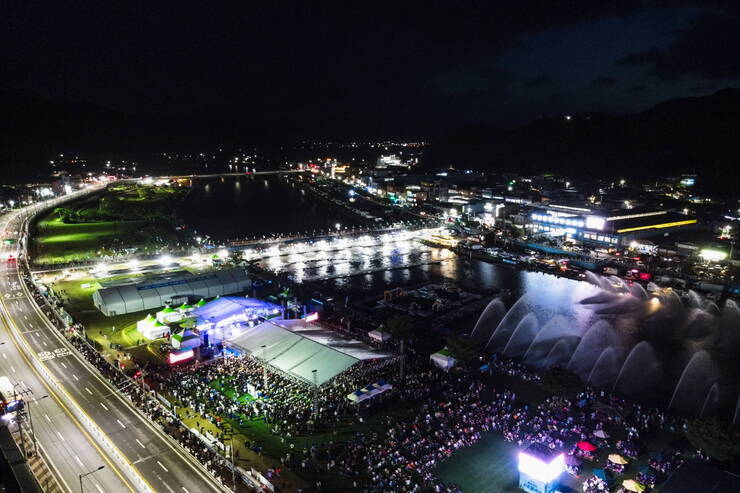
[138,456]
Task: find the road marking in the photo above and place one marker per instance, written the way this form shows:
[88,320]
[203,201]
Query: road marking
[75,377]
[47,418]
[5,356]
[103,406]
[88,391]
[79,461]
[63,365]
[122,425]
[160,465]
[60,436]
[99,488]
[25,317]
[185,489]
[12,368]
[44,343]
[142,445]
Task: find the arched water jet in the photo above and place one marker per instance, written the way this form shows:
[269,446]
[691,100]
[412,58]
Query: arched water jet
[638,291]
[597,338]
[599,281]
[697,376]
[522,336]
[640,371]
[508,324]
[561,352]
[712,399]
[605,369]
[694,300]
[489,320]
[554,329]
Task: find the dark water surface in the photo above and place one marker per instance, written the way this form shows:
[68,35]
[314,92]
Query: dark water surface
[231,208]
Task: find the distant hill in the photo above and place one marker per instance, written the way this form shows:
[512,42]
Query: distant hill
[698,134]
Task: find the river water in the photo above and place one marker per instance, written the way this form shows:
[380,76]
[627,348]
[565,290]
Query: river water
[257,206]
[248,206]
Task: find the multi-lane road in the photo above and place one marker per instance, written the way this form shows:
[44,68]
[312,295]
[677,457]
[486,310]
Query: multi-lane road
[85,423]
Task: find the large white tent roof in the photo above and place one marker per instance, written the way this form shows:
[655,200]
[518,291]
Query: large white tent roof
[296,354]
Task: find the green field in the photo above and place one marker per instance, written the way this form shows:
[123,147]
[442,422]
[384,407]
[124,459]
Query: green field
[123,217]
[58,243]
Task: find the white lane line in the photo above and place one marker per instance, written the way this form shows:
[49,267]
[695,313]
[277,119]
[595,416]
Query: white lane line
[142,445]
[47,418]
[103,406]
[60,436]
[63,365]
[79,461]
[12,368]
[99,488]
[75,377]
[185,489]
[5,356]
[44,343]
[25,317]
[88,391]
[160,465]
[122,425]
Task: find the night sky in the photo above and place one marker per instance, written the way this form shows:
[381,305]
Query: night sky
[362,65]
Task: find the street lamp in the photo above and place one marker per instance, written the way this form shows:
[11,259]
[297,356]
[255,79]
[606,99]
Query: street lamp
[87,474]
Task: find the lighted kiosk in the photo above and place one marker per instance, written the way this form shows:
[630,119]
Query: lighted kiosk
[540,468]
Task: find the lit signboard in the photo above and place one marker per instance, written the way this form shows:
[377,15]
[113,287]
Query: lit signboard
[595,222]
[540,470]
[312,317]
[178,356]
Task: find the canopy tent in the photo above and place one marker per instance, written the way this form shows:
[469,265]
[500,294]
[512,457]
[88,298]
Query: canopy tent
[632,485]
[201,302]
[588,447]
[295,354]
[601,434]
[152,328]
[169,315]
[370,391]
[185,339]
[379,335]
[443,359]
[618,459]
[602,474]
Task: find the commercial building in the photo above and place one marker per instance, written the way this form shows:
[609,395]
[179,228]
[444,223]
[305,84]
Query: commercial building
[116,298]
[606,228]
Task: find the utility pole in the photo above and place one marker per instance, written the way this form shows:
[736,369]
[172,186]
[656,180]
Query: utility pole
[87,474]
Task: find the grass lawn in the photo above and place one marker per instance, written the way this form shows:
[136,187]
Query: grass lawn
[488,466]
[57,242]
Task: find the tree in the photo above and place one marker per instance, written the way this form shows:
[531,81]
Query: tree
[399,328]
[463,348]
[715,438]
[236,256]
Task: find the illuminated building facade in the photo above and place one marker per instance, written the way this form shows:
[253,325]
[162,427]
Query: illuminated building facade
[604,228]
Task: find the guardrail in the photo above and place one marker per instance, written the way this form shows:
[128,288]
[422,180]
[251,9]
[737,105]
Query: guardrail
[164,434]
[82,417]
